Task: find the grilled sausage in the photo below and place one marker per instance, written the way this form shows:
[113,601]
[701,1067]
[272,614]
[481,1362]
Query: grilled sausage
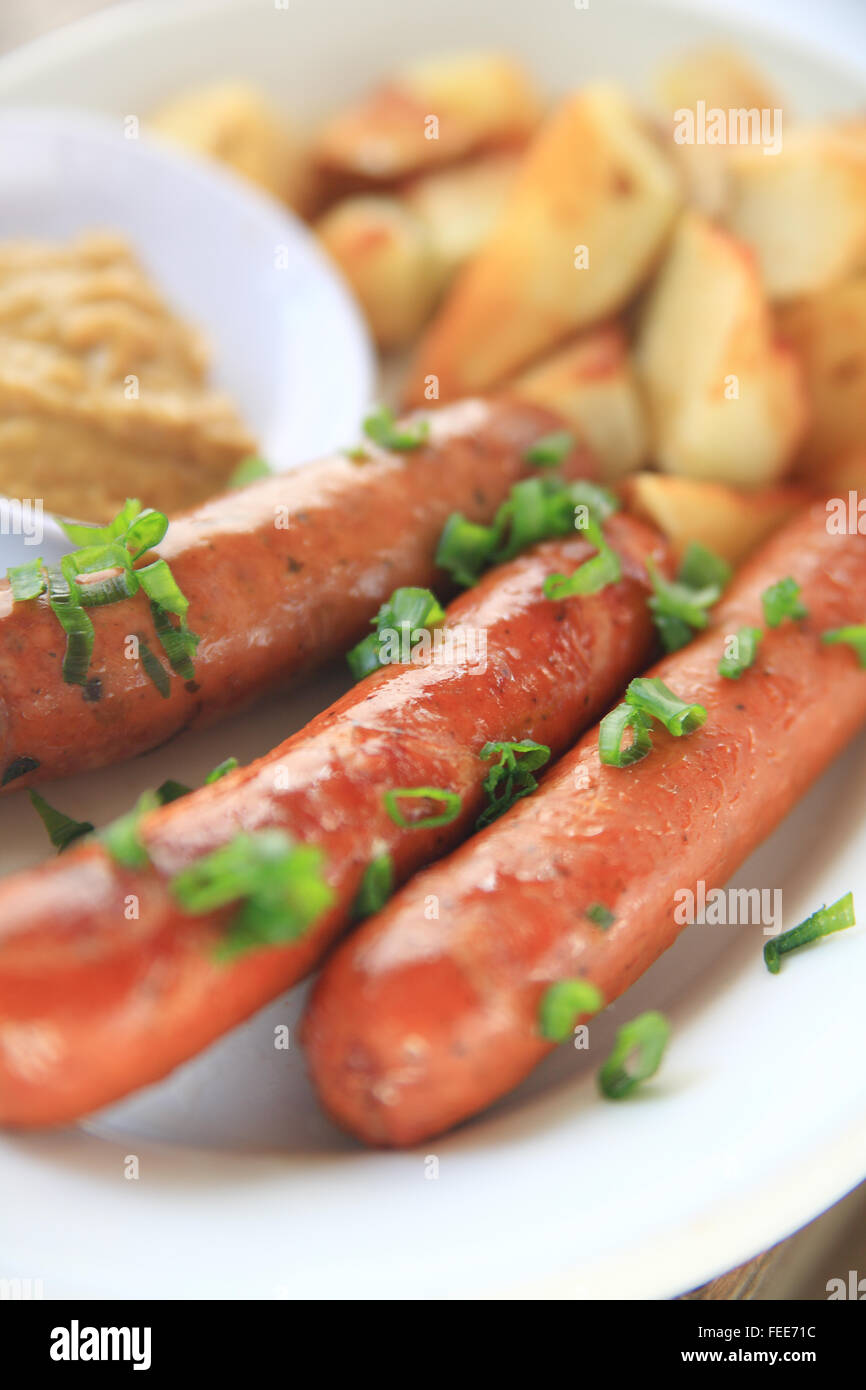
[268,599]
[416,1024]
[93,1005]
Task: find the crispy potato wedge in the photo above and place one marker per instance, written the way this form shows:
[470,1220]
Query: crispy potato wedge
[583,223]
[803,211]
[730,522]
[721,79]
[592,385]
[234,123]
[386,254]
[431,115]
[828,332]
[726,401]
[460,207]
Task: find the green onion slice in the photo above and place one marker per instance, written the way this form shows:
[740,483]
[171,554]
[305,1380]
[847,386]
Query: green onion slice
[178,643]
[652,697]
[121,837]
[377,885]
[170,790]
[146,532]
[612,731]
[701,568]
[27,581]
[84,534]
[249,470]
[278,885]
[381,426]
[600,915]
[404,616]
[826,920]
[589,578]
[854,636]
[465,549]
[221,769]
[781,601]
[154,669]
[562,1004]
[62,829]
[450,802]
[551,449]
[511,777]
[636,1056]
[678,609]
[748,640]
[80,635]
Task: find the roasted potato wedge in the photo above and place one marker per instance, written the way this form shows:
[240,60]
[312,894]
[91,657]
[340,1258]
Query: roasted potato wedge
[432,114]
[718,79]
[400,253]
[460,207]
[386,254]
[730,522]
[592,385]
[583,223]
[828,332]
[803,211]
[726,401]
[233,123]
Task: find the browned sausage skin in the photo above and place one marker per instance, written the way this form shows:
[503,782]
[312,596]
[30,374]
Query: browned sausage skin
[280,577]
[416,1024]
[93,1004]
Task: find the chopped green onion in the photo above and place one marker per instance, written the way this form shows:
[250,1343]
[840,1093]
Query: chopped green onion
[83,534]
[62,829]
[404,616]
[589,578]
[651,696]
[248,471]
[854,637]
[450,802]
[377,885]
[278,885]
[600,915]
[511,778]
[836,917]
[121,837]
[27,581]
[611,733]
[19,767]
[551,450]
[178,643]
[562,1004]
[636,1056]
[701,568]
[536,509]
[465,549]
[146,532]
[679,610]
[748,640]
[782,601]
[221,769]
[154,669]
[381,426]
[170,790]
[80,635]
[114,547]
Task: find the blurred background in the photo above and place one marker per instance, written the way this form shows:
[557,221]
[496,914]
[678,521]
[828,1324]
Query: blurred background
[835,1243]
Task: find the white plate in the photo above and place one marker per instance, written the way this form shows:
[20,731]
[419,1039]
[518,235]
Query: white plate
[756,1122]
